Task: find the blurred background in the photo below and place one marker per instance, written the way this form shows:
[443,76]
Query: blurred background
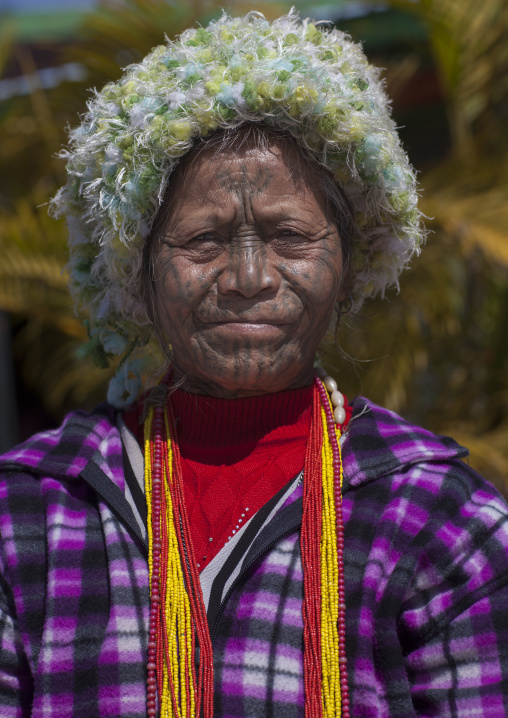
[437,352]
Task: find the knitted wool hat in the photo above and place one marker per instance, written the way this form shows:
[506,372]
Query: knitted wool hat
[314,83]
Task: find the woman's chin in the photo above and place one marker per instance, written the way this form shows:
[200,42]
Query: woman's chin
[243,376]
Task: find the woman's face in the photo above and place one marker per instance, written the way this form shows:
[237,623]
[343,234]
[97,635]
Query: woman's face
[247,273]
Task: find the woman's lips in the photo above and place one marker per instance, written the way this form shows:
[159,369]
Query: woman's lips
[257,328]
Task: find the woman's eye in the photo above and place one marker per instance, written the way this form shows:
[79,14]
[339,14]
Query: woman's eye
[205,237]
[206,240]
[290,234]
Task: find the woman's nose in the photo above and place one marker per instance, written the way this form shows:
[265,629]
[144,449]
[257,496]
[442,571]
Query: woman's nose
[249,270]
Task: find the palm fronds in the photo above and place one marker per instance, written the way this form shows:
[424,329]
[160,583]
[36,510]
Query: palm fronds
[32,255]
[33,288]
[469,202]
[468,40]
[120,32]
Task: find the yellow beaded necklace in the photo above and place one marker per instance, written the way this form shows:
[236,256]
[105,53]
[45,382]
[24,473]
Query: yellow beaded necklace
[177,614]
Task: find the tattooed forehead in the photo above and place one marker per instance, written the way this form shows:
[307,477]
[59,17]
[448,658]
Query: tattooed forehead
[252,167]
[241,180]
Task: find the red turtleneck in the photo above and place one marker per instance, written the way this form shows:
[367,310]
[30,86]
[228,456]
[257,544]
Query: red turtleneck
[236,455]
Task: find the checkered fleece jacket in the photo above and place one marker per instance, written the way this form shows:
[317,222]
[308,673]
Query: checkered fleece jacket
[426,584]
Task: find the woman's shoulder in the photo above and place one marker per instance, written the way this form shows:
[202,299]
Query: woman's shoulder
[64,451]
[382,445]
[409,483]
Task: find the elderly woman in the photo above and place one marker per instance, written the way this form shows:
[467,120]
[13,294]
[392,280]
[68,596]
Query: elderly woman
[226,536]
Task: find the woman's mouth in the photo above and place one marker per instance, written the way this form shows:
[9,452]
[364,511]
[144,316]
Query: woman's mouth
[239,327]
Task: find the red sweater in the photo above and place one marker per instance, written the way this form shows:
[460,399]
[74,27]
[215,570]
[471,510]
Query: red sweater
[236,454]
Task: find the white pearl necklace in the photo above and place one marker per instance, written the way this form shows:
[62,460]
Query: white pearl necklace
[336,397]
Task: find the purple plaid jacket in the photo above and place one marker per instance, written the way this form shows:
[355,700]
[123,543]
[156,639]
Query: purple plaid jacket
[426,583]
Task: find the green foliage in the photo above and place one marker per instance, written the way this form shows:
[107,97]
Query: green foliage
[469,42]
[121,32]
[33,288]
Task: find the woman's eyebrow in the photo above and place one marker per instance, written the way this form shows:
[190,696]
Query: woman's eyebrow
[206,220]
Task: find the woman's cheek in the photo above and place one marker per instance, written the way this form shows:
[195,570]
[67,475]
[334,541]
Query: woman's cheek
[317,280]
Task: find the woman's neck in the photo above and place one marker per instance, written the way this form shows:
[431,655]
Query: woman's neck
[205,422]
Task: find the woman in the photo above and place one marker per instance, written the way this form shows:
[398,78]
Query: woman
[226,536]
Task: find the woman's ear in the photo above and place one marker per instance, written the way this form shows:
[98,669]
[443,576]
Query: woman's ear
[344,304]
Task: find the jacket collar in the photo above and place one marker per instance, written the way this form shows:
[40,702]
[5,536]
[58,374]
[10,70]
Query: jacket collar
[63,453]
[379,443]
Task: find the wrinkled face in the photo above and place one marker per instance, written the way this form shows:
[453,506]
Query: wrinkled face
[247,272]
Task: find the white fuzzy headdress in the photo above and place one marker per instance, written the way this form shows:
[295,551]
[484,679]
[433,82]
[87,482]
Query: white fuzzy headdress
[314,83]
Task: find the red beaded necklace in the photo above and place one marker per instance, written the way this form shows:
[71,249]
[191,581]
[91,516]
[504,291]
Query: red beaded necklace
[178,624]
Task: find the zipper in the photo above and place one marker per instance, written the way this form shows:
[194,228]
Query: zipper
[235,583]
[218,617]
